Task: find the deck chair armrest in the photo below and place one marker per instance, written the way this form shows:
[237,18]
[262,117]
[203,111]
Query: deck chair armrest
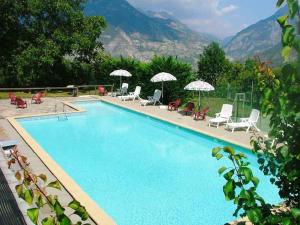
[218,114]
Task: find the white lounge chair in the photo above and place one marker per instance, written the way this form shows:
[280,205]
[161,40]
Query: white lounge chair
[7,146]
[120,91]
[132,95]
[152,100]
[223,117]
[248,123]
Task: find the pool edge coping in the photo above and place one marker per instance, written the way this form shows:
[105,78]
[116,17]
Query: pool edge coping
[96,213]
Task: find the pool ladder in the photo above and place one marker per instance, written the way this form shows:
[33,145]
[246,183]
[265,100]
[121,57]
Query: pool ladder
[63,116]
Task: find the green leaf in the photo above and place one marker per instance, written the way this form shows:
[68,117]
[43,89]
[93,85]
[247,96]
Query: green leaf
[64,220]
[33,214]
[81,211]
[19,189]
[254,215]
[215,151]
[279,3]
[55,184]
[293,7]
[59,210]
[229,150]
[18,176]
[286,51]
[261,161]
[43,177]
[219,156]
[288,34]
[295,212]
[229,174]
[74,204]
[255,181]
[283,20]
[39,203]
[221,170]
[286,221]
[229,190]
[247,174]
[48,221]
[244,194]
[284,151]
[28,196]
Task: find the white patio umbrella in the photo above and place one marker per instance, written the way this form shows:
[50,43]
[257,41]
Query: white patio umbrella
[120,73]
[162,77]
[199,85]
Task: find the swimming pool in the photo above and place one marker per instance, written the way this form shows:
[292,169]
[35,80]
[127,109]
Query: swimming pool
[138,169]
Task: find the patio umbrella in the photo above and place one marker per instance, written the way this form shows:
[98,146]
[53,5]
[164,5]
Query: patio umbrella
[199,85]
[120,73]
[162,77]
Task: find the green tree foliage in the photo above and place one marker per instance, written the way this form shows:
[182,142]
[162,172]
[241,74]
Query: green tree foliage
[278,157]
[36,36]
[142,73]
[212,63]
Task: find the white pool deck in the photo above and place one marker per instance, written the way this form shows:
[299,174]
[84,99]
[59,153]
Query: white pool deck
[55,105]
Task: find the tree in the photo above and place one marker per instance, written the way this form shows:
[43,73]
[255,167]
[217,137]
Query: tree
[212,63]
[37,35]
[278,157]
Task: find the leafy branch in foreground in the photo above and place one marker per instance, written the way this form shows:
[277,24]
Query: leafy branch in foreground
[241,186]
[33,190]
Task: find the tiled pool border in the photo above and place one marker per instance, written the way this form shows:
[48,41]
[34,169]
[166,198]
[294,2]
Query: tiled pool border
[96,213]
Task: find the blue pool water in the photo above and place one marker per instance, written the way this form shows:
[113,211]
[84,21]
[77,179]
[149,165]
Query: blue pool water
[140,170]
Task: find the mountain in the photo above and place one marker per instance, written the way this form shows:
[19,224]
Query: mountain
[135,33]
[260,39]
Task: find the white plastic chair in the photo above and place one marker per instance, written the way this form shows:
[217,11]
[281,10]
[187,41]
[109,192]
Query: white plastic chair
[132,95]
[248,123]
[152,100]
[222,117]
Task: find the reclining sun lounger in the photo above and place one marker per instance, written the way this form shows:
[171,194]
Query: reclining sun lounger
[247,123]
[152,100]
[222,117]
[132,95]
[7,146]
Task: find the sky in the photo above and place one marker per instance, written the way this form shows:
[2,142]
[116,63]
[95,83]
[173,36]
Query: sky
[221,18]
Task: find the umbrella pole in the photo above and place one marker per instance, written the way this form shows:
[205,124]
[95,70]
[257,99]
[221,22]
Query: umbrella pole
[120,82]
[199,100]
[162,90]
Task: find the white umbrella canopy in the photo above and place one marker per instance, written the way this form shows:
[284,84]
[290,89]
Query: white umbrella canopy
[162,77]
[199,85]
[120,73]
